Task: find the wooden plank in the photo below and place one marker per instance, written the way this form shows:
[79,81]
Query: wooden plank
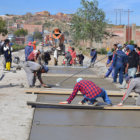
[67,75]
[76,106]
[69,91]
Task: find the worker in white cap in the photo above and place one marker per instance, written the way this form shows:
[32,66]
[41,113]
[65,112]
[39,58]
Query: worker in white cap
[90,92]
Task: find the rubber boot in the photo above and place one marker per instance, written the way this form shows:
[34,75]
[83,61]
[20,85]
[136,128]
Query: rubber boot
[6,65]
[9,66]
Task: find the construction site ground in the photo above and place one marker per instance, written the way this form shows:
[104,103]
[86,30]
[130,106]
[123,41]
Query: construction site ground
[15,116]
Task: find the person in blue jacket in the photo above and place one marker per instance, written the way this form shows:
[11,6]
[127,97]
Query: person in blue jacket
[93,55]
[110,64]
[28,50]
[119,61]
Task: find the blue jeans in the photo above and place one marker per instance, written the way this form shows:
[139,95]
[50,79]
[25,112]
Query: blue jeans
[118,69]
[132,72]
[110,69]
[103,95]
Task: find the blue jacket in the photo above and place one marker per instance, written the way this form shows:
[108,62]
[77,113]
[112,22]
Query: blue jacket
[28,50]
[120,58]
[93,54]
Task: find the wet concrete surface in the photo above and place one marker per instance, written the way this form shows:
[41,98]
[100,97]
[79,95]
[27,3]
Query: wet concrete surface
[76,124]
[104,83]
[69,70]
[62,124]
[67,124]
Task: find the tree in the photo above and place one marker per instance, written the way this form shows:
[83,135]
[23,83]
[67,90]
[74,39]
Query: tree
[37,35]
[3,29]
[21,32]
[89,23]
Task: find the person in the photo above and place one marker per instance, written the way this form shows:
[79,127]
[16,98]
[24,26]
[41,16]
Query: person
[133,85]
[80,59]
[138,51]
[133,60]
[119,61]
[68,58]
[47,57]
[7,54]
[28,50]
[73,55]
[34,55]
[93,55]
[34,45]
[90,92]
[110,64]
[55,55]
[34,70]
[132,63]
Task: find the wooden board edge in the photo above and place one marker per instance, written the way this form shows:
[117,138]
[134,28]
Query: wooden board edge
[71,106]
[63,92]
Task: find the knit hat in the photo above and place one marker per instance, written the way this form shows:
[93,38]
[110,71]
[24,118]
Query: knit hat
[79,79]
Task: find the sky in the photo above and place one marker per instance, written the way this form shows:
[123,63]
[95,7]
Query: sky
[21,7]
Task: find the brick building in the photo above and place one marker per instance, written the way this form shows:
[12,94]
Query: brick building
[32,28]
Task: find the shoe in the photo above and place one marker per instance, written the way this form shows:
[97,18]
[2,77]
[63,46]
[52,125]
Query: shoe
[109,104]
[94,104]
[81,103]
[31,86]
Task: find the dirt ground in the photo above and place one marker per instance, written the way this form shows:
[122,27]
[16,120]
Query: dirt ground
[15,115]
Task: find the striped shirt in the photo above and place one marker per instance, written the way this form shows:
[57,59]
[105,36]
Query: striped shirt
[87,88]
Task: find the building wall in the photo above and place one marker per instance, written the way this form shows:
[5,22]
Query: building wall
[32,28]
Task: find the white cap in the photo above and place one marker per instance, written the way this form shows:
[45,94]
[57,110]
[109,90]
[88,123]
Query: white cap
[79,79]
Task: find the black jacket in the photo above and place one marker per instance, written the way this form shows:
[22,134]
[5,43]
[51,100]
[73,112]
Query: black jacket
[133,60]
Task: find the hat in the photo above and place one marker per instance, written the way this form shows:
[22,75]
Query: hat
[79,79]
[130,47]
[109,53]
[45,68]
[34,42]
[30,44]
[119,46]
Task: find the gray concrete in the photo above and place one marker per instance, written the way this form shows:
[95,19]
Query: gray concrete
[104,83]
[62,124]
[70,124]
[69,70]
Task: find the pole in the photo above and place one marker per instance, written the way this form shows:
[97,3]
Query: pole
[116,10]
[128,11]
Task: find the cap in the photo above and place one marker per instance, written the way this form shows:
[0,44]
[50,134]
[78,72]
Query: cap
[79,79]
[34,42]
[119,46]
[130,47]
[109,53]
